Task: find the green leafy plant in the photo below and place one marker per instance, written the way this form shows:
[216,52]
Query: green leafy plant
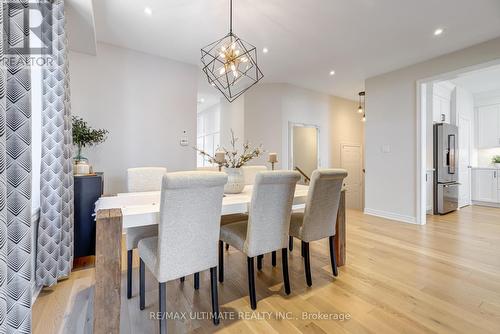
[233,159]
[84,135]
[496,159]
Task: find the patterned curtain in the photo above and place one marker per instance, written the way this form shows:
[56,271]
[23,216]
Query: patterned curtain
[55,229]
[15,174]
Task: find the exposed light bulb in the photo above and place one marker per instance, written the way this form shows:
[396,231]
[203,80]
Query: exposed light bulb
[360,109]
[332,72]
[363,119]
[265,50]
[222,70]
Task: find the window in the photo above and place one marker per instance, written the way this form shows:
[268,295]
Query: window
[208,133]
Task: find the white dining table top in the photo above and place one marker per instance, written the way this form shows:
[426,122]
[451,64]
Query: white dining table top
[143,208]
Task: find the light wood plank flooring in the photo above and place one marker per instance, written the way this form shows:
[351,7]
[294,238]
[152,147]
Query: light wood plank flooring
[400,278]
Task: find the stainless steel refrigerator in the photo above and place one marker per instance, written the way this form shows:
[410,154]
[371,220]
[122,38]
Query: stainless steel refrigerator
[445,168]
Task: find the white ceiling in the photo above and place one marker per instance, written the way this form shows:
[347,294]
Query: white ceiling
[306,38]
[483,81]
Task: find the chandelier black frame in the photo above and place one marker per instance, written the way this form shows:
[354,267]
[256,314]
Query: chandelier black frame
[233,76]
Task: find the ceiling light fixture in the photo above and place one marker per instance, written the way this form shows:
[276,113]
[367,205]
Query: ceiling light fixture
[148,11]
[362,106]
[265,50]
[438,31]
[332,72]
[361,102]
[230,63]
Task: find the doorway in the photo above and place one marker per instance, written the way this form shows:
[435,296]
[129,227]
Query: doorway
[351,157]
[304,149]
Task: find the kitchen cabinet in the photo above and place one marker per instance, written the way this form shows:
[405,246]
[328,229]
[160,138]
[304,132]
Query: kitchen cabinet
[441,109]
[485,185]
[488,126]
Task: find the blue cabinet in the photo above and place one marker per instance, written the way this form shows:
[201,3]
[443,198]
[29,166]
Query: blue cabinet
[88,189]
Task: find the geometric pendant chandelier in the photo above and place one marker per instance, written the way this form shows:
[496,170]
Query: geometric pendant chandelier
[230,63]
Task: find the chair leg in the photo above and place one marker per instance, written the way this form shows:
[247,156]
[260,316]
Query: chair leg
[227,246]
[142,285]
[182,279]
[196,281]
[333,259]
[251,283]
[221,261]
[259,262]
[307,264]
[290,243]
[162,289]
[302,248]
[273,258]
[129,273]
[284,263]
[215,295]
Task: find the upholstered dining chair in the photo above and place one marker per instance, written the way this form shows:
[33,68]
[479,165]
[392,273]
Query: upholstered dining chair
[266,229]
[319,217]
[188,231]
[249,173]
[138,180]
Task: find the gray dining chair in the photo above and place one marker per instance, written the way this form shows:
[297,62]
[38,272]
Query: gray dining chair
[138,180]
[188,231]
[249,173]
[319,217]
[266,229]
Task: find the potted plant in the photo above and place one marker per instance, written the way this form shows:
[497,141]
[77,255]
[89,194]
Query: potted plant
[496,161]
[233,162]
[84,136]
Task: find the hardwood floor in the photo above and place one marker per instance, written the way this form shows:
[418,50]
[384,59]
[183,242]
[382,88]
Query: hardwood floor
[443,277]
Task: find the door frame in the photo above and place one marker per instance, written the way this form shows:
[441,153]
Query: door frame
[291,125]
[421,118]
[361,148]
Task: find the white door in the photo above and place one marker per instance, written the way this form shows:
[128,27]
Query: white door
[351,160]
[488,126]
[485,185]
[464,176]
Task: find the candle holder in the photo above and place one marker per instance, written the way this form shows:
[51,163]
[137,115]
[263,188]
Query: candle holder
[273,158]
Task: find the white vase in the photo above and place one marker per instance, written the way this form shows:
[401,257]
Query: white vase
[235,181]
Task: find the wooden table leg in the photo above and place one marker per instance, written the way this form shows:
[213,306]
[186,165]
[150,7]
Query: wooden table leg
[108,271]
[340,232]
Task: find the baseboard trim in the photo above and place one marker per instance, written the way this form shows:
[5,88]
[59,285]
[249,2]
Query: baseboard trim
[490,204]
[391,216]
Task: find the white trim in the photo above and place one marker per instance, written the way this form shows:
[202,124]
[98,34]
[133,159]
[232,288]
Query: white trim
[391,216]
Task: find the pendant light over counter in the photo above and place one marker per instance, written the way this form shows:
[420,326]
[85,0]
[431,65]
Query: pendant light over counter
[230,63]
[361,108]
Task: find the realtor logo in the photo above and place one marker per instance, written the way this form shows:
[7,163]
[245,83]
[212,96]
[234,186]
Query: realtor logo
[27,27]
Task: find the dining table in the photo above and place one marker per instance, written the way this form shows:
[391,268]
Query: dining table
[114,214]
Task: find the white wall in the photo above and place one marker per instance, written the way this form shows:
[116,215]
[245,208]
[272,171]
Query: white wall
[270,107]
[232,118]
[391,178]
[144,101]
[263,120]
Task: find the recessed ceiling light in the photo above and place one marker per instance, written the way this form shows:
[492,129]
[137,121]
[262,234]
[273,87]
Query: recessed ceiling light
[265,50]
[332,72]
[438,31]
[148,11]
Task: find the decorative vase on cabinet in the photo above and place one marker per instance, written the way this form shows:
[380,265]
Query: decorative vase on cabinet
[235,181]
